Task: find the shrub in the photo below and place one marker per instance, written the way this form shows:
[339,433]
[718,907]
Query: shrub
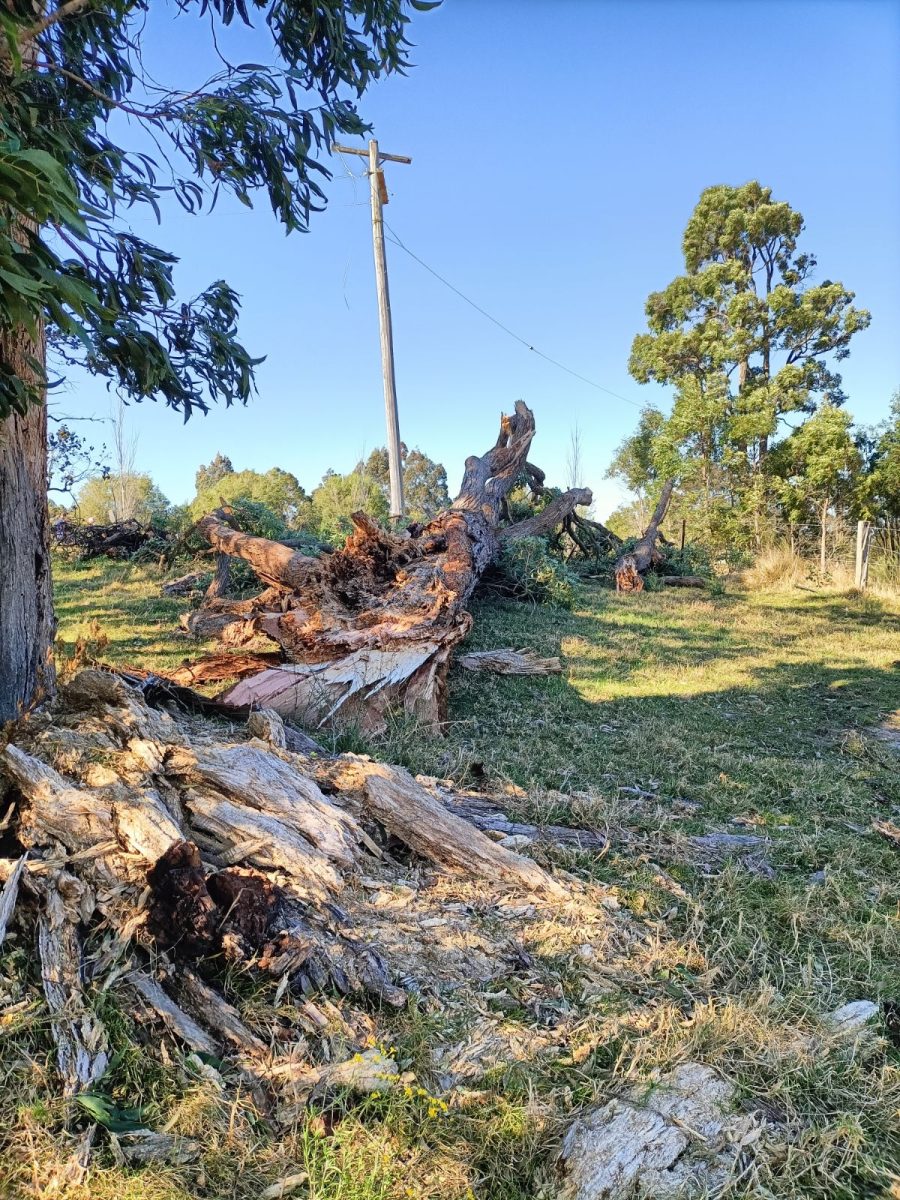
[694,559]
[526,570]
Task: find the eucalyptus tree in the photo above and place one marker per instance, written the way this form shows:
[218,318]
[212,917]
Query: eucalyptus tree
[76,280]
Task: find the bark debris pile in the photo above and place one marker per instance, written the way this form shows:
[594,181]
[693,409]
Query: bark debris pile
[149,854]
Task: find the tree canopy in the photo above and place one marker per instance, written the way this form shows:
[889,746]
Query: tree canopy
[69,263]
[424,481]
[749,340]
[210,474]
[133,497]
[278,490]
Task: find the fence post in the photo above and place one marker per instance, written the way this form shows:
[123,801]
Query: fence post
[863,543]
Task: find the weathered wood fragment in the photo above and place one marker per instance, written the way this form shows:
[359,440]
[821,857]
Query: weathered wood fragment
[685,581]
[178,1021]
[417,818]
[510,662]
[81,1044]
[9,895]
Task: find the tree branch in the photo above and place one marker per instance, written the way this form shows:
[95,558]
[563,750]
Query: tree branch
[72,8]
[548,518]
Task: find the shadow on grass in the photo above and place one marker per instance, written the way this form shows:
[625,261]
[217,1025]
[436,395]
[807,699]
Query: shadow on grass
[720,702]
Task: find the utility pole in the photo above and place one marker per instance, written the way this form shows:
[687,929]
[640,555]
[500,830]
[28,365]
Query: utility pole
[379,193]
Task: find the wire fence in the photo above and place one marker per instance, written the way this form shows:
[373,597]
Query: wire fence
[833,551]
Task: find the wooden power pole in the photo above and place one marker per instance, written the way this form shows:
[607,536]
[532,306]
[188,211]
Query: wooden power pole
[378,190]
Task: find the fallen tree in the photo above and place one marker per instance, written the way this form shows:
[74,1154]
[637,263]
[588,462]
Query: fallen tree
[373,624]
[631,567]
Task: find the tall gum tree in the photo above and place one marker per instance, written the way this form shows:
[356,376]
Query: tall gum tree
[746,335]
[77,282]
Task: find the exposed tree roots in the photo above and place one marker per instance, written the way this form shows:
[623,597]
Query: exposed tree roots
[372,625]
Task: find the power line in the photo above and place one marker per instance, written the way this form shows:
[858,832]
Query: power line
[396,240]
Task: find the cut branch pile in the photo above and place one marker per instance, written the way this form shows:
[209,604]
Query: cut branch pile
[372,625]
[118,540]
[159,847]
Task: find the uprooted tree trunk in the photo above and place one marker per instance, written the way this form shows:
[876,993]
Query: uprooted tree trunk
[630,568]
[373,624]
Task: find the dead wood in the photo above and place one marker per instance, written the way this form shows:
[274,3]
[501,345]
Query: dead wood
[218,667]
[185,852]
[484,814]
[685,581]
[554,514]
[413,815]
[591,537]
[8,896]
[175,1019]
[120,539]
[630,568]
[81,1044]
[183,585]
[510,662]
[373,624]
[888,830]
[220,585]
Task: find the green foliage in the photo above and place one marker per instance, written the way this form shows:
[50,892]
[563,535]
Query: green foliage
[337,496]
[424,481]
[258,518]
[70,266]
[206,476]
[104,1110]
[817,465]
[526,570]
[879,491]
[635,462]
[693,559]
[745,337]
[277,490]
[628,520]
[130,497]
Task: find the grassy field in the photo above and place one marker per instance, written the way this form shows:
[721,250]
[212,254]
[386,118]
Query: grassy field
[678,714]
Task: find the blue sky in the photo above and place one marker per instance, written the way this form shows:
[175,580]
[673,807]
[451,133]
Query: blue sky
[558,148]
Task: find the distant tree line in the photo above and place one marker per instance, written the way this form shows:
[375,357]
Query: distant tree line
[272,503]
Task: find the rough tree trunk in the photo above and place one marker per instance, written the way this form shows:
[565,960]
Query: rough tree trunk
[26,600]
[372,625]
[631,567]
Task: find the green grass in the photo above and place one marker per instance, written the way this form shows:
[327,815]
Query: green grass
[116,611]
[677,714]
